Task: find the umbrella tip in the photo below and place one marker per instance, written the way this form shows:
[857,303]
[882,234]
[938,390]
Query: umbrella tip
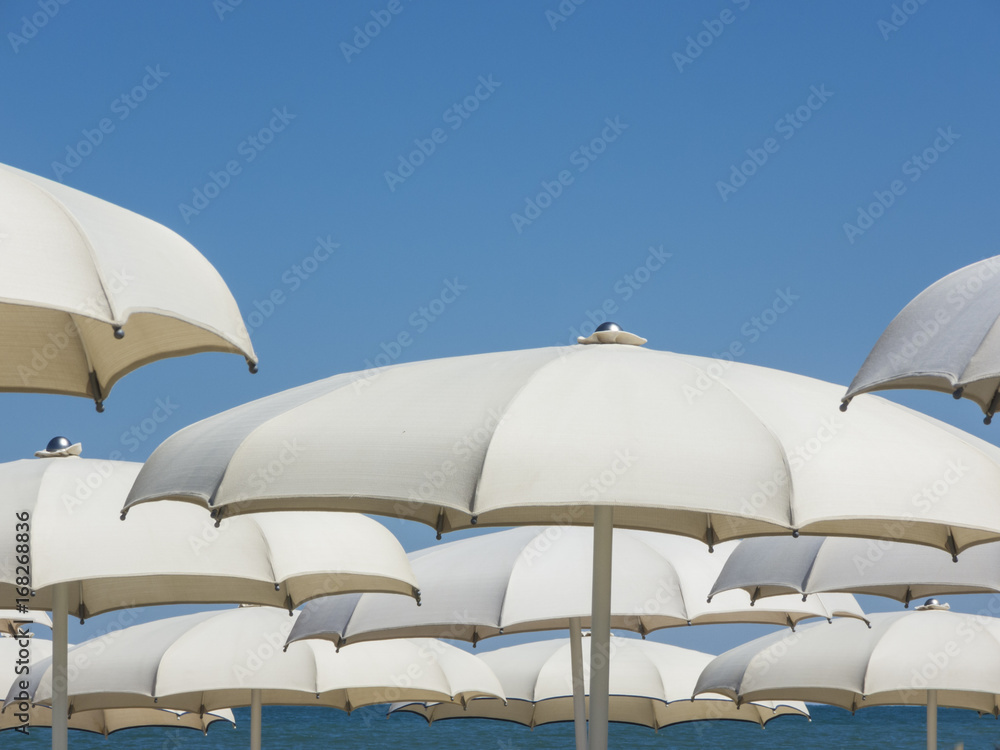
[611,333]
[119,333]
[987,419]
[844,405]
[795,533]
[958,393]
[60,447]
[933,604]
[252,366]
[99,405]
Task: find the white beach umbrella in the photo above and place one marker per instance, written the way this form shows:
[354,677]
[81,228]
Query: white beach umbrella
[651,685]
[779,566]
[19,655]
[924,657]
[601,435]
[70,553]
[235,658]
[529,579]
[945,339]
[11,620]
[91,291]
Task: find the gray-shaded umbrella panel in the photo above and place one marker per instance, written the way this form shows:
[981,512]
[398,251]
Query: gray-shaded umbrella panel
[947,337]
[905,572]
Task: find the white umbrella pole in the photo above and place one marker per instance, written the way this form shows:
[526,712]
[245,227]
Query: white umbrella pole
[579,706]
[60,681]
[255,719]
[600,628]
[932,720]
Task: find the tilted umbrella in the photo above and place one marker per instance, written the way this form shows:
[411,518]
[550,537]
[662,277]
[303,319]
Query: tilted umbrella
[91,291]
[945,339]
[924,657]
[605,434]
[651,685]
[81,559]
[17,654]
[11,620]
[529,579]
[235,657]
[776,567]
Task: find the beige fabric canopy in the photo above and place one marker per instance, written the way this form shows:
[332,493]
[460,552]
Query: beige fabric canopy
[78,272]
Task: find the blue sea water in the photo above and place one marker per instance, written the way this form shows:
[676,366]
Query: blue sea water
[291,728]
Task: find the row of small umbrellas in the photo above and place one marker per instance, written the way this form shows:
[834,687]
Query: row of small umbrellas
[588,435]
[170,552]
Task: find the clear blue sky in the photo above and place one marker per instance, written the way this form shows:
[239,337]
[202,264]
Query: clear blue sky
[644,109]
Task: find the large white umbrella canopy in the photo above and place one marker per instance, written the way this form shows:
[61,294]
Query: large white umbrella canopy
[779,566]
[924,657]
[72,554]
[945,339]
[598,434]
[688,445]
[235,657]
[91,291]
[651,685]
[529,579]
[15,653]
